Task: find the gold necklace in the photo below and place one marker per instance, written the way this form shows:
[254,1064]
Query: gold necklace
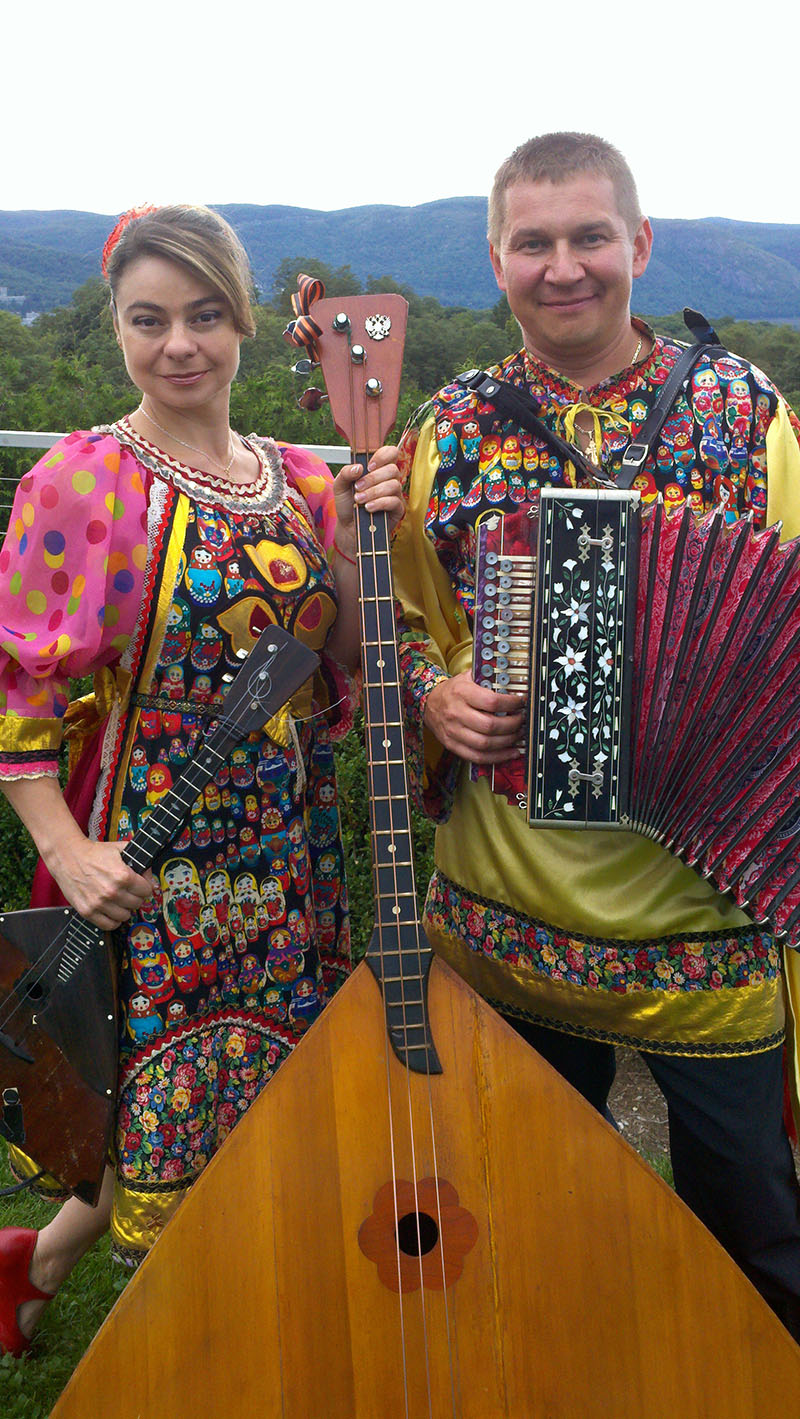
[638,350]
[224,467]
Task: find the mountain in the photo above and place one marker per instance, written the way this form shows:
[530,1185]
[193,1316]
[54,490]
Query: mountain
[748,270]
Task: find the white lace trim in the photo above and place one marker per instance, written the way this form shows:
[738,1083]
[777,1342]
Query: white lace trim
[265,494]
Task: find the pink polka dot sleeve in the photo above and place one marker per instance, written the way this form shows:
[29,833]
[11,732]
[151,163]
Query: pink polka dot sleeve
[314,480]
[71,577]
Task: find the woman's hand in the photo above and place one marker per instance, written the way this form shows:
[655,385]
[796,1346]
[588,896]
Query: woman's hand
[473,722]
[380,489]
[98,884]
[92,876]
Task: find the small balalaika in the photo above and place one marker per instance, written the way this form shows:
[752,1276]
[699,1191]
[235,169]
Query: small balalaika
[58,1018]
[662,655]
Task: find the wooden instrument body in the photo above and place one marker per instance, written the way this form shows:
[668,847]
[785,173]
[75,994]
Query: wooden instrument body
[58,1048]
[591,1290]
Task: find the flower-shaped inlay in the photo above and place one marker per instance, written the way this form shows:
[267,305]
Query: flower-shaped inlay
[418,1235]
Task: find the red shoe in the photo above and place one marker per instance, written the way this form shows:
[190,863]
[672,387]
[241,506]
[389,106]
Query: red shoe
[16,1250]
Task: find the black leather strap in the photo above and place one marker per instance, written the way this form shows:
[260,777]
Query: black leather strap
[508,400]
[637,453]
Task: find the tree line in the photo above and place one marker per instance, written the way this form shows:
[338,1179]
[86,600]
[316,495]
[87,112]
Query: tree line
[65,370]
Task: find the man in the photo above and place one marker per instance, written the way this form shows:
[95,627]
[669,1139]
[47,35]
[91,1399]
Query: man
[590,939]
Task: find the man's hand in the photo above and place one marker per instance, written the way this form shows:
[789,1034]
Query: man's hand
[474,722]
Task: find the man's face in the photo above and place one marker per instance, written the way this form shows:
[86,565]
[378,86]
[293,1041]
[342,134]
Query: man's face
[566,261]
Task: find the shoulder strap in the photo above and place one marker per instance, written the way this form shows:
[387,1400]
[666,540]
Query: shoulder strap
[706,340]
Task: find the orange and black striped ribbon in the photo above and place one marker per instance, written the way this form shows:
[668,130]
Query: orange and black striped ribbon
[304,331]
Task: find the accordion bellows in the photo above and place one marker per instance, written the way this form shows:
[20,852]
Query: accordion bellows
[661,652]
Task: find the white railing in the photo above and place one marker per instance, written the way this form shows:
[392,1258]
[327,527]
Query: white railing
[28,438]
[25,438]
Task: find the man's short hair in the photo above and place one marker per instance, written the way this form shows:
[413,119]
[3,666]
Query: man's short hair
[555,157]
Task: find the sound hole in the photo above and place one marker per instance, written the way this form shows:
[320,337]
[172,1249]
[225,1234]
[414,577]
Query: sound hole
[417,1234]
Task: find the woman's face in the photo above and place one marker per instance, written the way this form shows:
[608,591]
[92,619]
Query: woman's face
[177,334]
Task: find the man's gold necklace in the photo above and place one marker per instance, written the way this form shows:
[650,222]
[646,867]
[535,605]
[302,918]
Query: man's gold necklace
[223,467]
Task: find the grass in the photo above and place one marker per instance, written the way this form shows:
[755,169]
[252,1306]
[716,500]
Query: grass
[30,1387]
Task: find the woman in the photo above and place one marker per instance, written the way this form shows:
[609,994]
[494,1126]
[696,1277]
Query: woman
[149,552]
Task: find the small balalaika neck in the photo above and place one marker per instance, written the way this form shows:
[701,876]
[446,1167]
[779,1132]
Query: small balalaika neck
[399,954]
[269,676]
[159,829]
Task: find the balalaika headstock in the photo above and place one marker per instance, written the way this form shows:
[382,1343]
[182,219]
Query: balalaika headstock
[271,672]
[358,340]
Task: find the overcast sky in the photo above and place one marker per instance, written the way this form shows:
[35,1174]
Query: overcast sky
[324,105]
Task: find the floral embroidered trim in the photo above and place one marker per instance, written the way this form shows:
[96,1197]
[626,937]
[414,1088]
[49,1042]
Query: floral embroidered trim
[697,961]
[264,494]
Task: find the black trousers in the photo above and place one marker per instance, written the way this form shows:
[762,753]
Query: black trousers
[731,1158]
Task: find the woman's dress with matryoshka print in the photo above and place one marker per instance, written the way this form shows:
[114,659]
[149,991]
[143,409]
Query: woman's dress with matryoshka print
[246,935]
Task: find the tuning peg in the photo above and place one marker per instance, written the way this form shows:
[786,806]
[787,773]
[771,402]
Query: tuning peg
[227,679]
[341,322]
[242,654]
[312,399]
[303,367]
[373,388]
[358,354]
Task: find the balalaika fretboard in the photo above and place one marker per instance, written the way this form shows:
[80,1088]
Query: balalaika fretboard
[661,653]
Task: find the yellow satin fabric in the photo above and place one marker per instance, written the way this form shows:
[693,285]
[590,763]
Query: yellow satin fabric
[139,1218]
[111,686]
[783,475]
[609,884]
[19,734]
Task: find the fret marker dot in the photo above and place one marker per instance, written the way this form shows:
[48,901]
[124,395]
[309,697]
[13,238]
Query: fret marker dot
[380,664]
[387,743]
[395,911]
[392,848]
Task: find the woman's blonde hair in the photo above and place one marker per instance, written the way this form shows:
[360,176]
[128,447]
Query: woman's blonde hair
[194,237]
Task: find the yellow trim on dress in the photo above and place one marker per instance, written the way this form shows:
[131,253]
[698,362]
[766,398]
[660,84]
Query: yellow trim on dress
[22,735]
[138,1218]
[169,582]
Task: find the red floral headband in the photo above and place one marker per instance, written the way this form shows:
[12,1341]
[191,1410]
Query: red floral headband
[127,217]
